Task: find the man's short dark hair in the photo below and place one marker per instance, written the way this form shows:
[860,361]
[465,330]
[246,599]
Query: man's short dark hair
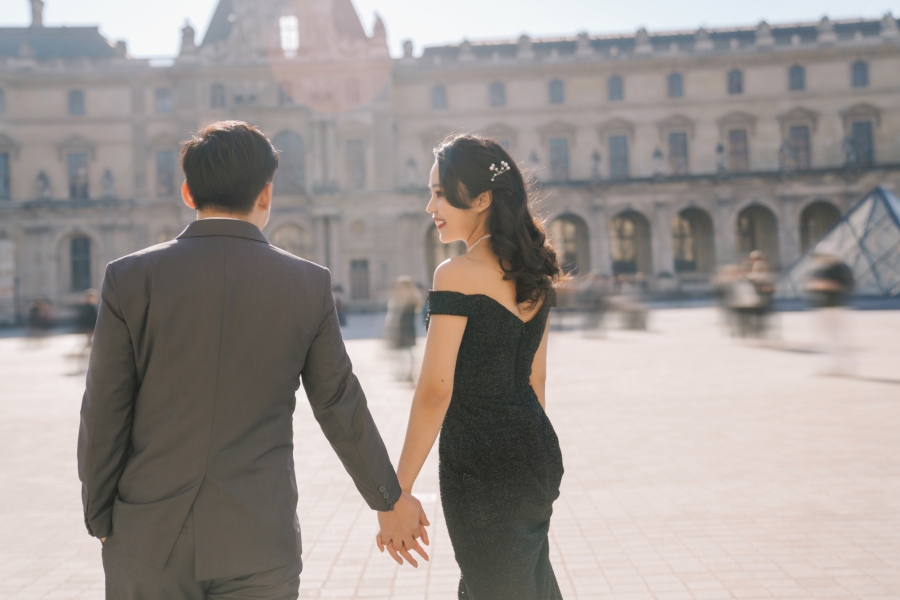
[227,165]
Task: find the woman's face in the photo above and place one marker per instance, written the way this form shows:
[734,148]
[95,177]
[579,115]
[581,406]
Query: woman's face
[454,224]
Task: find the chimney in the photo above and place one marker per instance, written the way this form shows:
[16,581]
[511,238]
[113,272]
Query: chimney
[37,13]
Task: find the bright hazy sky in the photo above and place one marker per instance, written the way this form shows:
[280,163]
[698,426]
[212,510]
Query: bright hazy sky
[152,27]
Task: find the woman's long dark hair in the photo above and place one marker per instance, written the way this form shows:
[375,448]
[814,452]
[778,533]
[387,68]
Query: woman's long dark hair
[517,238]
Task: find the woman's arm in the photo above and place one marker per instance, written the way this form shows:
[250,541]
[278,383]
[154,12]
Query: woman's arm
[538,379]
[432,396]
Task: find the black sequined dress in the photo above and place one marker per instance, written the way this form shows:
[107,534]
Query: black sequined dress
[500,462]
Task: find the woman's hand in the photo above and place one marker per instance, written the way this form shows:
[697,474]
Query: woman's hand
[401,528]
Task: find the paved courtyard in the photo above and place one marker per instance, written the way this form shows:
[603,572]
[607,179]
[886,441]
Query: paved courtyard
[696,468]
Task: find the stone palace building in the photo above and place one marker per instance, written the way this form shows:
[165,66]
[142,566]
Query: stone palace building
[664,153]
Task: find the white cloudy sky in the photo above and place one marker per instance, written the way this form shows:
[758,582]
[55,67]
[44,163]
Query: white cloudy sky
[152,26]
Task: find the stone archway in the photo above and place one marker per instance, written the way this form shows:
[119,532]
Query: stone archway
[569,236]
[815,221]
[294,239]
[758,230]
[630,246]
[693,241]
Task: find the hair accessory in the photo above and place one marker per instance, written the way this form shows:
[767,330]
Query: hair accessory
[504,167]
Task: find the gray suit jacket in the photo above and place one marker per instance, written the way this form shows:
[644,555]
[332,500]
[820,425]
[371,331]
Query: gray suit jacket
[199,350]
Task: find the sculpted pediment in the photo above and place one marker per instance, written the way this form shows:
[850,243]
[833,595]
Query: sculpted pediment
[861,111]
[616,126]
[675,123]
[799,116]
[77,143]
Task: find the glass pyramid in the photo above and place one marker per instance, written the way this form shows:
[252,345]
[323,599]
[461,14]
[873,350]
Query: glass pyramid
[867,239]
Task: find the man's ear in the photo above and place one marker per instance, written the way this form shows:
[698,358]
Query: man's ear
[483,201]
[186,196]
[264,200]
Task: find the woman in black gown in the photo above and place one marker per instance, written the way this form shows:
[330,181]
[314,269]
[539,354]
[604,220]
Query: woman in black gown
[482,381]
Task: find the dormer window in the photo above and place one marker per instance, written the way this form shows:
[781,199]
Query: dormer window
[289,30]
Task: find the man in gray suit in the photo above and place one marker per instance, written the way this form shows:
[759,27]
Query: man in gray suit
[185,450]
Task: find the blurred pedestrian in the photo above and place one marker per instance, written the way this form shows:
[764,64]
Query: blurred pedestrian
[762,277]
[86,320]
[594,301]
[39,321]
[400,325]
[830,286]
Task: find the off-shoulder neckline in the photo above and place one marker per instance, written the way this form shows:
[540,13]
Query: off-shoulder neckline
[537,313]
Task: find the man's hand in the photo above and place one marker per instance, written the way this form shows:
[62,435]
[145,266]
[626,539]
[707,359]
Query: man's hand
[401,528]
[102,540]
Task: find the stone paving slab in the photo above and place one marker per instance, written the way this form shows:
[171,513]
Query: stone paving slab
[696,468]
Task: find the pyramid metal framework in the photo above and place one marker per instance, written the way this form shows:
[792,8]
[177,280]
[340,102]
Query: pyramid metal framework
[867,239]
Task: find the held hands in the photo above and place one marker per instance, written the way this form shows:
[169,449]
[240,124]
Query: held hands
[401,528]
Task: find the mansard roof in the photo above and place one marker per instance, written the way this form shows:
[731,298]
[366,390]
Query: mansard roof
[54,42]
[719,39]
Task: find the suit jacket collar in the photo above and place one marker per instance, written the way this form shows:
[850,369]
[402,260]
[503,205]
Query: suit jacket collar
[227,227]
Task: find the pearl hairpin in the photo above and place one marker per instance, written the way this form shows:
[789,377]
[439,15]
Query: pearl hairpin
[504,167]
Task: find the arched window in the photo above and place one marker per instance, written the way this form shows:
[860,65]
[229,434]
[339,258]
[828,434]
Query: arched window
[629,242]
[569,236]
[293,239]
[692,236]
[80,263]
[556,91]
[438,97]
[290,179]
[815,221]
[615,89]
[859,74]
[796,78]
[437,251]
[675,84]
[735,82]
[498,94]
[289,35]
[758,230]
[217,96]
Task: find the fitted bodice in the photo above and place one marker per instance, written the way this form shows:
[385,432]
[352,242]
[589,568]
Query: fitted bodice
[497,349]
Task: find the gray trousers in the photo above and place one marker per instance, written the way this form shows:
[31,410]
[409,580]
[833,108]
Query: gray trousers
[130,578]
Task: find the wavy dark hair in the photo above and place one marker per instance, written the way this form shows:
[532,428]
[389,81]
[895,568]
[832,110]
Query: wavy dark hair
[517,238]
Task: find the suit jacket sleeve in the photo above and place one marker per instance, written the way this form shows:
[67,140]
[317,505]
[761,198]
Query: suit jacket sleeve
[106,412]
[340,407]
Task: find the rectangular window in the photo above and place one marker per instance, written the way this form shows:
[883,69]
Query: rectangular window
[559,159]
[80,263]
[797,78]
[678,153]
[863,143]
[738,151]
[217,96]
[285,94]
[4,176]
[165,173]
[77,167]
[498,94]
[618,156]
[163,101]
[356,164]
[359,279]
[798,147]
[439,97]
[615,89]
[557,92]
[76,102]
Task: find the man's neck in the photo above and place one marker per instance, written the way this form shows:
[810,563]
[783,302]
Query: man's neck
[251,218]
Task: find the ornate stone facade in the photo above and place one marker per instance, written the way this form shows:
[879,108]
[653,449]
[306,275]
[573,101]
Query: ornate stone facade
[667,154]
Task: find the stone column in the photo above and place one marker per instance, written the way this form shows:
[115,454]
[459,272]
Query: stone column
[601,260]
[788,232]
[725,233]
[661,238]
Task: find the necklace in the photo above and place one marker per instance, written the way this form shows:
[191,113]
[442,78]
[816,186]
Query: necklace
[481,239]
